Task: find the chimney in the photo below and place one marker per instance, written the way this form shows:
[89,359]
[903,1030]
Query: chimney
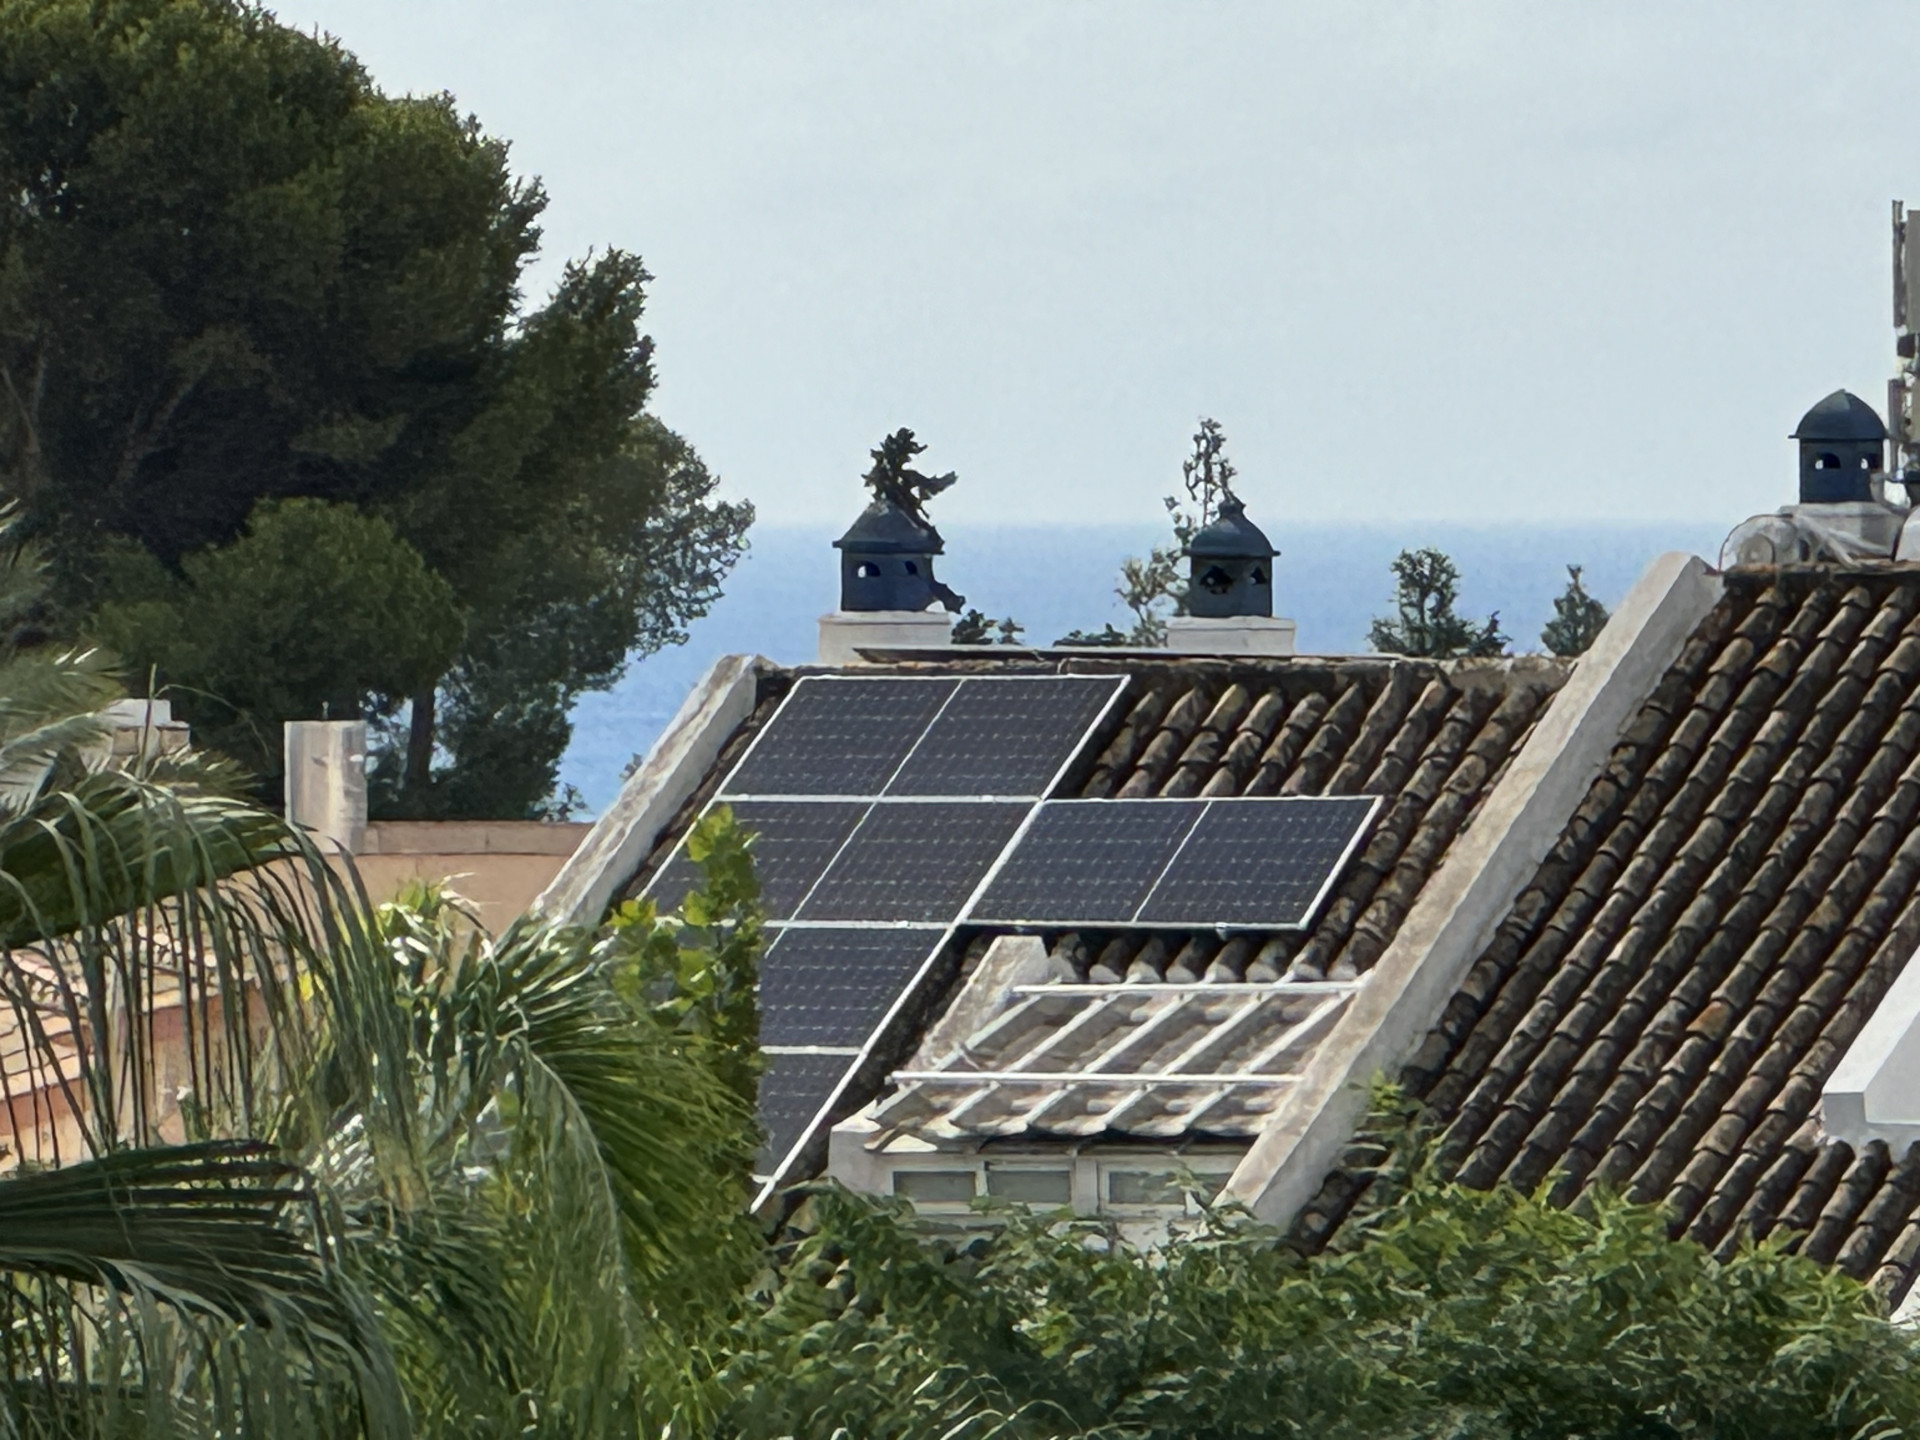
[886,565]
[326,784]
[1230,591]
[1842,515]
[144,727]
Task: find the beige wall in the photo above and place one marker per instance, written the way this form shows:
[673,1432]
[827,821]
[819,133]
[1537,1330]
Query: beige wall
[498,866]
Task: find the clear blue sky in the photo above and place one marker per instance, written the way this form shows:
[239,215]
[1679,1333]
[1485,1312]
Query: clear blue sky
[1471,260]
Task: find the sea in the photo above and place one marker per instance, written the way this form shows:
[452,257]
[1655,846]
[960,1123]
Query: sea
[1330,579]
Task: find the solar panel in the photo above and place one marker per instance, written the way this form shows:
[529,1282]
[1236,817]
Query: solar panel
[838,736]
[1005,736]
[792,1090]
[915,862]
[1259,862]
[795,840]
[833,987]
[1087,861]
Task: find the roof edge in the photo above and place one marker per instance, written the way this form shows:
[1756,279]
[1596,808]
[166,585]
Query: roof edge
[654,793]
[1871,1094]
[1481,876]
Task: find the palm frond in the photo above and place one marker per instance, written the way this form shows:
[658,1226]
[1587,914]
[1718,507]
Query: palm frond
[203,1226]
[654,1114]
[41,686]
[116,842]
[169,1253]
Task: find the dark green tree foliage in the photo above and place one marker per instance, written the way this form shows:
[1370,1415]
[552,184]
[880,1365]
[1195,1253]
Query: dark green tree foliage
[1427,583]
[1107,637]
[343,606]
[1577,619]
[232,270]
[1456,1313]
[976,627]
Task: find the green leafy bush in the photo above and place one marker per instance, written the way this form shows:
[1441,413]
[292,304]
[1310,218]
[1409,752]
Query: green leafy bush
[1454,1312]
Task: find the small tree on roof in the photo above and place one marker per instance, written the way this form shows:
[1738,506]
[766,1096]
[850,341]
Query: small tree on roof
[1155,585]
[892,479]
[1577,618]
[1427,585]
[1209,474]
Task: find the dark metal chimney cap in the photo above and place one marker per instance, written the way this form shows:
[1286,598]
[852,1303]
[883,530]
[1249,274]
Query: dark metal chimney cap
[885,529]
[1841,416]
[1232,536]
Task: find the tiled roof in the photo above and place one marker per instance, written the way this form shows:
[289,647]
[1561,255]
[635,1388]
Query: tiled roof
[1431,738]
[1663,1001]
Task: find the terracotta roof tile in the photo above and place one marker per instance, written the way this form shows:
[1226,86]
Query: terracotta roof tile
[1736,892]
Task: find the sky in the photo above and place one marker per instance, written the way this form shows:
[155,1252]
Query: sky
[1480,261]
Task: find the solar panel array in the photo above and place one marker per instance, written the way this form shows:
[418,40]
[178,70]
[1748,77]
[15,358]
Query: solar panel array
[1252,863]
[880,803]
[890,810]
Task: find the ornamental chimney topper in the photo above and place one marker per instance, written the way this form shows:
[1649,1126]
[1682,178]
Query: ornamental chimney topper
[887,586]
[1230,565]
[1228,605]
[886,557]
[1843,515]
[1843,450]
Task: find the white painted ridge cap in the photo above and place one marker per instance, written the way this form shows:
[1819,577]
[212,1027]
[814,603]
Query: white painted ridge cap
[1874,1092]
[610,852]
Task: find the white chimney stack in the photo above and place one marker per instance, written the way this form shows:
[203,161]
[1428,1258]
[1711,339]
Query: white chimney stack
[326,786]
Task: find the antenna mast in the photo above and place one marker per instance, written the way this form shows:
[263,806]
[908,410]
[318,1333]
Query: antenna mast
[1905,459]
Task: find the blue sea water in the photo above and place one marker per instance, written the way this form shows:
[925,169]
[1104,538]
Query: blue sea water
[1331,579]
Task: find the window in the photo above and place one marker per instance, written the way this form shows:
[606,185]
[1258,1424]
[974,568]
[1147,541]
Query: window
[1215,581]
[1827,461]
[913,568]
[1259,574]
[1030,1187]
[934,1187]
[1162,1187]
[867,570]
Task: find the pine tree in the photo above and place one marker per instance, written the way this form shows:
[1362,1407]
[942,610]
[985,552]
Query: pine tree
[1577,619]
[1427,585]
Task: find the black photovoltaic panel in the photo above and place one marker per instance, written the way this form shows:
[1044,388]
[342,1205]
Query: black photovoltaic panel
[1004,736]
[838,737]
[792,1090]
[915,862]
[794,842]
[1088,861]
[1258,862]
[832,987]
